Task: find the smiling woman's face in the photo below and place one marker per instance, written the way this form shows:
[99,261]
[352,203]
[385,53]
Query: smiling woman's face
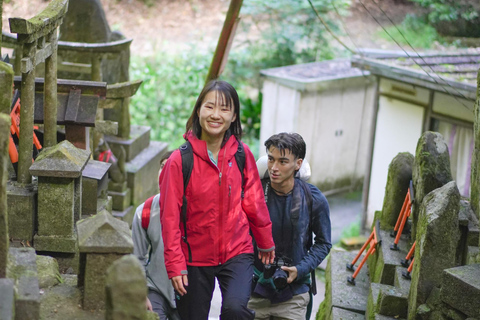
[215,116]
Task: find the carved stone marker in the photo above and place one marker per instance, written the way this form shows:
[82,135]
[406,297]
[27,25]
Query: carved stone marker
[102,239]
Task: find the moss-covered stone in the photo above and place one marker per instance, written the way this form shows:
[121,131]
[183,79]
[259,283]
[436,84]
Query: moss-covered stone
[4,161]
[21,202]
[398,180]
[126,289]
[437,239]
[386,300]
[6,81]
[48,274]
[431,170]
[475,165]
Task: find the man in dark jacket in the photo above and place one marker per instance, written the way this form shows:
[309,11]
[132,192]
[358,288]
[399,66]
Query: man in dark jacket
[297,209]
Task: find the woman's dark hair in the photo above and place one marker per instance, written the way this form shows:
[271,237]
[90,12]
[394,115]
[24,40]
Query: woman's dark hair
[166,155]
[227,93]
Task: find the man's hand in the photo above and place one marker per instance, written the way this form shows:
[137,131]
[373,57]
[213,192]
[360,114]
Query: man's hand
[179,283]
[149,305]
[292,273]
[267,257]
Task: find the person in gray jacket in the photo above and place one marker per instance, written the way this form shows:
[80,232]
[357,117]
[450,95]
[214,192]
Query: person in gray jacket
[148,248]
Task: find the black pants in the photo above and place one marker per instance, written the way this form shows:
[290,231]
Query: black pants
[235,279]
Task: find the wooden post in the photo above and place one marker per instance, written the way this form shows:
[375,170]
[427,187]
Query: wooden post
[224,42]
[50,94]
[27,99]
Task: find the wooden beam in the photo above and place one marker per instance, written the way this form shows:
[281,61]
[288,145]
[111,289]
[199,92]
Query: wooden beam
[50,16]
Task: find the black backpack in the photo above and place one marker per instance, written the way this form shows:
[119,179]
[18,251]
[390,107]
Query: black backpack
[187,167]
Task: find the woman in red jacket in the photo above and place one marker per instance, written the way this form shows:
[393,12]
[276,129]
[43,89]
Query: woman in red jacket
[219,218]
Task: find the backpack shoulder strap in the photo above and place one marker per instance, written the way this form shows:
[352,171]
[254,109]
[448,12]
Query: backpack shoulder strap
[309,198]
[147,207]
[240,159]
[187,167]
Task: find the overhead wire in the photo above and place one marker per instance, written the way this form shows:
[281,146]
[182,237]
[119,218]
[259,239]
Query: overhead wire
[408,55]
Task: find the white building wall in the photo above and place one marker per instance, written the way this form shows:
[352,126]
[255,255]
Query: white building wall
[399,126]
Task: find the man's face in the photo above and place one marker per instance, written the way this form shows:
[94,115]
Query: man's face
[282,166]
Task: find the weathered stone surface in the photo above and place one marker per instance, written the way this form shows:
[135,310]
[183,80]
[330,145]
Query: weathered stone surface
[138,141]
[21,202]
[23,268]
[94,185]
[60,244]
[103,233]
[121,200]
[4,160]
[7,299]
[63,160]
[386,300]
[475,164]
[472,253]
[398,181]
[93,279]
[126,289]
[382,264]
[461,289]
[431,170]
[125,215]
[382,317]
[141,170]
[6,81]
[338,293]
[437,239]
[400,282]
[342,314]
[55,206]
[48,274]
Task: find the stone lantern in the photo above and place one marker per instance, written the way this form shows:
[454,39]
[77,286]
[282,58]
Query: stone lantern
[59,171]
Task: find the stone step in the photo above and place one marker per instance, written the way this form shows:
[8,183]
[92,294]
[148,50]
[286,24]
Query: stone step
[400,282]
[461,289]
[338,292]
[342,314]
[386,300]
[23,268]
[384,261]
[139,140]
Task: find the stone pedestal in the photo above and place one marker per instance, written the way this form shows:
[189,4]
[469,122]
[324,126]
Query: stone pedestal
[59,171]
[102,239]
[21,202]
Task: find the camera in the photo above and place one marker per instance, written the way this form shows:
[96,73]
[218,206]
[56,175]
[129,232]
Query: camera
[275,272]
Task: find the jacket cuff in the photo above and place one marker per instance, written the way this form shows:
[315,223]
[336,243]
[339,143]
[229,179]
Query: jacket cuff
[266,250]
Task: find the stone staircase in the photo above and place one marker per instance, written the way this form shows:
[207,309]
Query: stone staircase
[380,291]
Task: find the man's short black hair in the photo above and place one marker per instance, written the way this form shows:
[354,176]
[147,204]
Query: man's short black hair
[288,141]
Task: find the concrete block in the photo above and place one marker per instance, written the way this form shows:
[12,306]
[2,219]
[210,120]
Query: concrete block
[382,266]
[121,200]
[142,169]
[461,289]
[386,300]
[24,271]
[139,140]
[22,202]
[7,299]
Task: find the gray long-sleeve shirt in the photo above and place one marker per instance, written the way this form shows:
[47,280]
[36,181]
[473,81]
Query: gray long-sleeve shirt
[153,260]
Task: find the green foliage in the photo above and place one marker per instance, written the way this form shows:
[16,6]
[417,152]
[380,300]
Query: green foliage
[450,10]
[171,85]
[415,30]
[352,230]
[290,33]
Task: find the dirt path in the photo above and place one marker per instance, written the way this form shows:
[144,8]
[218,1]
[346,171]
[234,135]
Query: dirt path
[176,24]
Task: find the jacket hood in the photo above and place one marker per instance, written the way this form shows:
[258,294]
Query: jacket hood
[200,147]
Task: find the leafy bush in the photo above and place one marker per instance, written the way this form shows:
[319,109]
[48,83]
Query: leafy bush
[415,30]
[450,10]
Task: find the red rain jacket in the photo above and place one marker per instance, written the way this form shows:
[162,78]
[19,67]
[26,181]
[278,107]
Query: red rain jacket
[218,221]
